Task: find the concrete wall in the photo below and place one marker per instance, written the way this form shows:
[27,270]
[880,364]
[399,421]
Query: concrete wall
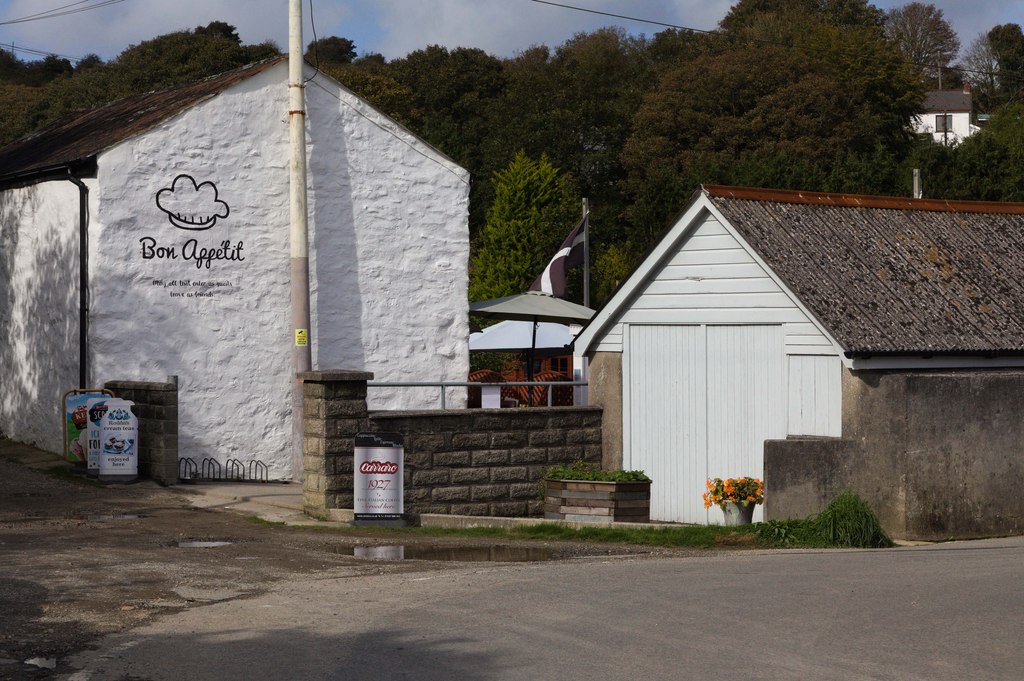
[39,269]
[937,454]
[462,462]
[605,391]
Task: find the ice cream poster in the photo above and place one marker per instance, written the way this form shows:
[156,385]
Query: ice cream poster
[76,422]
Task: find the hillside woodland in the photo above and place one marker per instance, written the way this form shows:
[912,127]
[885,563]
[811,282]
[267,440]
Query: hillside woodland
[795,94]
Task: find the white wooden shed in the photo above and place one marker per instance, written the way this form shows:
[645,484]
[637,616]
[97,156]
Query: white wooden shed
[186,271]
[745,319]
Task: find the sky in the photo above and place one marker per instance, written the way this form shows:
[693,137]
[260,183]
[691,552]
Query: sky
[396,27]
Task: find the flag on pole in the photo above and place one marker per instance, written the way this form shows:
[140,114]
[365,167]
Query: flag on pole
[553,280]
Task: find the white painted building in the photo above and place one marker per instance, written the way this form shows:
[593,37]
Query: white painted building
[946,116]
[747,317]
[188,258]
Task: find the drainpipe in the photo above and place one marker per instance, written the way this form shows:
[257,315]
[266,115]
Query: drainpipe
[83,280]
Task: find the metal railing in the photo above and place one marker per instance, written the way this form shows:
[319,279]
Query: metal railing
[444,385]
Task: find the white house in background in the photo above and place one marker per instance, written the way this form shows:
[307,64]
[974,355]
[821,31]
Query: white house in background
[187,268]
[947,116]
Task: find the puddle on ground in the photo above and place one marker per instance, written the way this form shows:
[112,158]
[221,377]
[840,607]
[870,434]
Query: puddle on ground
[42,662]
[202,544]
[472,554]
[127,516]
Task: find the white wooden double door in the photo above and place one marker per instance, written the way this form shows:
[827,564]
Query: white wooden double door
[699,401]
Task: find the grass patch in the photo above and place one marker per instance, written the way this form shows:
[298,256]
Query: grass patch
[692,536]
[847,522]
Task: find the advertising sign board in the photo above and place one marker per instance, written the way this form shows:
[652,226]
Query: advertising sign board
[76,421]
[378,488]
[96,408]
[119,438]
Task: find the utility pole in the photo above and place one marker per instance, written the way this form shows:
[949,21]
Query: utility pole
[301,348]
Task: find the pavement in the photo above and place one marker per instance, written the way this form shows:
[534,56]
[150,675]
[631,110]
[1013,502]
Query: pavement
[275,604]
[282,501]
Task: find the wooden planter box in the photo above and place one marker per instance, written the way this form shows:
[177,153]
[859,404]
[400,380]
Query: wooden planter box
[588,501]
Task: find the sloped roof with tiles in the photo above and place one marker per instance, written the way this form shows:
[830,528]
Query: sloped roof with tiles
[892,275]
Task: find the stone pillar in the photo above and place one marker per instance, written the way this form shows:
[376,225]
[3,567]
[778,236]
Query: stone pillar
[156,406]
[334,410]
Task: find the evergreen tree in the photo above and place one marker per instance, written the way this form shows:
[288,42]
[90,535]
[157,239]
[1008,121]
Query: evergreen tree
[535,207]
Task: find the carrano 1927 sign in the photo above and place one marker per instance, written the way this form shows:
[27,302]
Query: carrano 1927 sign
[378,476]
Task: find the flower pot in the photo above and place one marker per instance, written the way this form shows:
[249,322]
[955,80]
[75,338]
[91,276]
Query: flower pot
[737,514]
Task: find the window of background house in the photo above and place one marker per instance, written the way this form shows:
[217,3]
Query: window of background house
[944,123]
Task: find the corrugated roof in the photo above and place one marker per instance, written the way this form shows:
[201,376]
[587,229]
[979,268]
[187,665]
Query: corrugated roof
[82,135]
[892,275]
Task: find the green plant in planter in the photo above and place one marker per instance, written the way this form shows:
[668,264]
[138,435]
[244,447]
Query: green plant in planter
[581,470]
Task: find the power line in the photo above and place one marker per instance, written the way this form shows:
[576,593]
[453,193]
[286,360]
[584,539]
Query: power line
[55,12]
[31,16]
[653,22]
[316,42]
[623,16]
[42,53]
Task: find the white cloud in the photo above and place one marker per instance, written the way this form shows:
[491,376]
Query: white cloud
[504,27]
[397,27]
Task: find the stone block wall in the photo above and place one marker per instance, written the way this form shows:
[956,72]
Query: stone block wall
[488,461]
[460,462]
[156,406]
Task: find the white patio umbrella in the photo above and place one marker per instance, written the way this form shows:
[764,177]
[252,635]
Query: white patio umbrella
[518,336]
[532,306]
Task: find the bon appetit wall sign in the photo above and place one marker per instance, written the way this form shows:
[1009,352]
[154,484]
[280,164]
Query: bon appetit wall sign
[194,209]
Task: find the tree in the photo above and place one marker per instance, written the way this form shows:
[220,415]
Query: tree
[219,29]
[34,73]
[19,110]
[924,38]
[331,51]
[980,69]
[803,113]
[452,90]
[534,208]
[990,164]
[87,62]
[380,89]
[1007,44]
[165,61]
[836,12]
[575,104]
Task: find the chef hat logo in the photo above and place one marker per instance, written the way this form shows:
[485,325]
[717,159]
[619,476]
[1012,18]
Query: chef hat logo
[191,206]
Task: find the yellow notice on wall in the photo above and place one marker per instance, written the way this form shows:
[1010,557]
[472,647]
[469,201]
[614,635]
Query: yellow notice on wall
[301,337]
